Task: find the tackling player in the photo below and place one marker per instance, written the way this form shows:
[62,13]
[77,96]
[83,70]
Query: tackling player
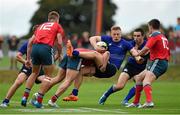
[131,69]
[22,76]
[117,46]
[71,68]
[157,44]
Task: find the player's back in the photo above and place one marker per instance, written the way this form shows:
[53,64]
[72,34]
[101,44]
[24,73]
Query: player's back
[158,45]
[46,33]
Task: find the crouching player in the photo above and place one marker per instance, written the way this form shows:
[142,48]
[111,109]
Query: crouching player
[22,76]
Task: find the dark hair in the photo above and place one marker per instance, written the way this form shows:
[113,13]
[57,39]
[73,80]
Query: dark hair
[53,15]
[155,23]
[139,30]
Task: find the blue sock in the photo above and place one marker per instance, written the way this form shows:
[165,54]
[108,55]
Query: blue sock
[6,101]
[130,94]
[75,91]
[110,91]
[75,53]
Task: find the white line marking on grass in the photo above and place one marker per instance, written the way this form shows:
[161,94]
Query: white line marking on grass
[102,110]
[52,110]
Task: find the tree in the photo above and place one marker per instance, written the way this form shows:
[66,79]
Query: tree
[75,15]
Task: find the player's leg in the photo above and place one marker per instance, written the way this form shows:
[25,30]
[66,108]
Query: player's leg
[72,72]
[74,94]
[129,96]
[154,70]
[132,72]
[97,57]
[122,80]
[18,82]
[45,58]
[70,77]
[139,87]
[85,71]
[47,83]
[30,83]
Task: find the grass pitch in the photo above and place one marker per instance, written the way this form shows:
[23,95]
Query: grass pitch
[165,95]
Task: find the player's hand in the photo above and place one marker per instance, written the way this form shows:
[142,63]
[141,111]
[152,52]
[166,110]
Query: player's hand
[139,59]
[102,68]
[28,64]
[57,57]
[100,49]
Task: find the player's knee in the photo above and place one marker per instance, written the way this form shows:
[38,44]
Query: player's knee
[138,79]
[46,82]
[18,83]
[119,86]
[67,83]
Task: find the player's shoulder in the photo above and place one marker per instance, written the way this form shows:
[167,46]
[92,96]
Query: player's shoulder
[106,37]
[124,41]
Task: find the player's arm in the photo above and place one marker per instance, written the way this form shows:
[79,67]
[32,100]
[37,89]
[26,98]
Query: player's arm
[106,57]
[59,46]
[144,51]
[150,43]
[136,55]
[93,40]
[19,57]
[29,50]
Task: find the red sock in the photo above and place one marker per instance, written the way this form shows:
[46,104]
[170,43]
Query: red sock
[139,88]
[26,94]
[39,99]
[54,98]
[148,92]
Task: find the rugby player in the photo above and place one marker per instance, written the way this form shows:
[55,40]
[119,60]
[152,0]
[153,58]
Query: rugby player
[157,44]
[40,47]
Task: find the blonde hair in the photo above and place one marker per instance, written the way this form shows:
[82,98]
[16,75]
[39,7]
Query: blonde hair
[115,28]
[53,15]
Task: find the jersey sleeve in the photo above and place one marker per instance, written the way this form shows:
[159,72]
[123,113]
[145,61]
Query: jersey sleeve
[150,43]
[106,39]
[129,46]
[23,48]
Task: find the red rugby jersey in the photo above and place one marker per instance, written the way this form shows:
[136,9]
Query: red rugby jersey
[46,33]
[158,45]
[86,62]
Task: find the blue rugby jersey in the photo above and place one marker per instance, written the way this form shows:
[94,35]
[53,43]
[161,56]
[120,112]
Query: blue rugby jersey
[23,48]
[117,50]
[132,60]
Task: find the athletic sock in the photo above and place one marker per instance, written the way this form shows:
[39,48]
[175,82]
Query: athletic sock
[40,97]
[111,90]
[75,53]
[26,92]
[75,92]
[139,88]
[54,98]
[148,93]
[6,101]
[130,94]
